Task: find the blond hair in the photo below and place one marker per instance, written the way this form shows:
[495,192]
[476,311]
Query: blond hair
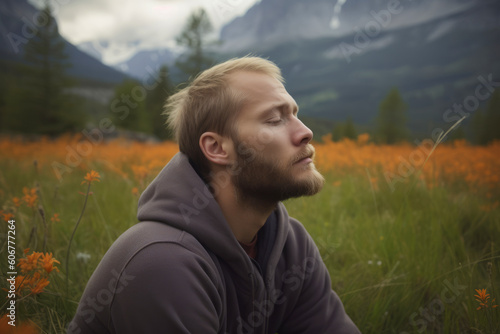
[209,104]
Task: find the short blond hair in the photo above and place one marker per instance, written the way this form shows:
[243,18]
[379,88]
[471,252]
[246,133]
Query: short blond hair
[209,104]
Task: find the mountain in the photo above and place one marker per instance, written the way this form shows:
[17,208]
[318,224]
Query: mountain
[147,63]
[436,53]
[141,64]
[277,21]
[19,20]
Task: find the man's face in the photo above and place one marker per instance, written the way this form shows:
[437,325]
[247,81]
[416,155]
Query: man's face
[274,156]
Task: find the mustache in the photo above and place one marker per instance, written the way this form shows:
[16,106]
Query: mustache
[308,152]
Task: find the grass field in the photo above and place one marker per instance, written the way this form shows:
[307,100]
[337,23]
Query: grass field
[406,243]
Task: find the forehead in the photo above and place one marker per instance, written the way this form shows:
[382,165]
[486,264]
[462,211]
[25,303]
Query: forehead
[260,91]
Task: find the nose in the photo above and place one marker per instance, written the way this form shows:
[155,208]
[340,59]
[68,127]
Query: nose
[302,134]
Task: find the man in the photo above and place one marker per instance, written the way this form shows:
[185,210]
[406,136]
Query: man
[215,250]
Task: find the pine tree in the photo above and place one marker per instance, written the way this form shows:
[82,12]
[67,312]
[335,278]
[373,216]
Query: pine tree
[129,110]
[46,105]
[344,130]
[492,117]
[349,130]
[193,37]
[156,100]
[338,131]
[391,120]
[485,124]
[480,136]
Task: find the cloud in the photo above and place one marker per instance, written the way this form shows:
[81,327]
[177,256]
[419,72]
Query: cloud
[82,21]
[119,28]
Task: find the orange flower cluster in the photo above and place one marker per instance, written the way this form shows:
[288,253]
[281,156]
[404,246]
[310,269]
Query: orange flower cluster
[55,218]
[30,197]
[16,201]
[116,154]
[91,177]
[477,167]
[6,215]
[35,269]
[482,298]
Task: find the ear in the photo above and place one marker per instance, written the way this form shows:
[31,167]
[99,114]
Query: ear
[216,148]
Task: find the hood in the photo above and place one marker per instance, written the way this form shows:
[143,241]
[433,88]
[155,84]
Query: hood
[178,197]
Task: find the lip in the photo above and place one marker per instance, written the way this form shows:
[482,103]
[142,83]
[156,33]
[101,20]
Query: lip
[306,160]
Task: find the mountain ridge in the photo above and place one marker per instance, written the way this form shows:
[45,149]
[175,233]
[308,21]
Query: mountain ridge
[18,22]
[435,64]
[275,21]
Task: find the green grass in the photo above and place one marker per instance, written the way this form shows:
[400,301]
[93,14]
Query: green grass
[392,256]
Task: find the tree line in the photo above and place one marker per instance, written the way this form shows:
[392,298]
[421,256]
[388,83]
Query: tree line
[391,123]
[36,98]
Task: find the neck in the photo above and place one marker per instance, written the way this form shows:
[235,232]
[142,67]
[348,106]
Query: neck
[245,216]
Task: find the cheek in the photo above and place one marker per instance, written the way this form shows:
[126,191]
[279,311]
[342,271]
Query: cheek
[276,140]
[270,147]
[265,136]
[259,139]
[265,140]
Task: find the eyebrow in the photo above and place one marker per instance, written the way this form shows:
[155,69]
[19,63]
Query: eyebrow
[280,107]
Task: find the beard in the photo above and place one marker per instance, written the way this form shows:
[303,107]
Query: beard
[265,180]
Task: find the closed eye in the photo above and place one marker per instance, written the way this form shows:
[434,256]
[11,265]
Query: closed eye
[275,121]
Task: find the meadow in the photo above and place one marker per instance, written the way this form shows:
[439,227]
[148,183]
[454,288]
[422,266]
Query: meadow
[411,241]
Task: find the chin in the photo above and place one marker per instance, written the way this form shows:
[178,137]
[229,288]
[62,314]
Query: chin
[308,185]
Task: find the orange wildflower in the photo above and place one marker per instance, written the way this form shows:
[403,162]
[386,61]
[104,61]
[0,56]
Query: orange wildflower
[16,201]
[35,269]
[91,177]
[47,262]
[7,216]
[30,262]
[30,197]
[37,283]
[135,191]
[55,218]
[482,298]
[28,191]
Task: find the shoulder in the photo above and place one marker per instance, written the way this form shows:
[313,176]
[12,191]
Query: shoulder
[142,236]
[150,250]
[156,263]
[146,233]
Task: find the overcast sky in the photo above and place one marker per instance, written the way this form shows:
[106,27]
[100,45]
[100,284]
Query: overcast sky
[131,25]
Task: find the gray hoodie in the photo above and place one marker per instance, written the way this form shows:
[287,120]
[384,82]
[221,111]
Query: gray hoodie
[181,270]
